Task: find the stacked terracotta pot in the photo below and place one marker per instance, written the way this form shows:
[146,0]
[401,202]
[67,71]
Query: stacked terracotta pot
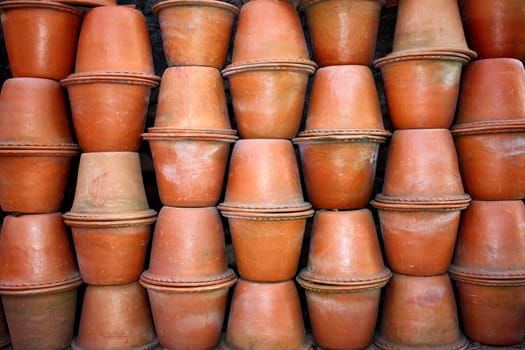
[188,279]
[423,195]
[110,218]
[489,132]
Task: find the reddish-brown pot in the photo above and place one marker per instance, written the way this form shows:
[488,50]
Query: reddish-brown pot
[109,109]
[40,37]
[34,111]
[116,317]
[342,31]
[267,97]
[265,316]
[5,339]
[420,312]
[189,166]
[196,33]
[104,46]
[422,87]
[495,28]
[33,178]
[189,317]
[111,252]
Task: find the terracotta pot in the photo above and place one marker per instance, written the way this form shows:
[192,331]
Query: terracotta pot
[44,48]
[34,111]
[422,87]
[109,187]
[116,317]
[265,316]
[104,46]
[267,246]
[34,178]
[430,25]
[41,319]
[277,34]
[196,33]
[495,28]
[181,93]
[420,312]
[188,317]
[268,98]
[255,185]
[188,248]
[35,252]
[189,166]
[343,31]
[109,109]
[492,89]
[5,339]
[111,252]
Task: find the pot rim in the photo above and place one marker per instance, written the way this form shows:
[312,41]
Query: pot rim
[321,282]
[382,343]
[43,290]
[173,281]
[187,289]
[417,54]
[110,218]
[489,127]
[451,203]
[190,136]
[344,132]
[492,277]
[13,4]
[209,3]
[307,3]
[111,77]
[162,130]
[42,150]
[301,65]
[330,138]
[267,216]
[308,344]
[238,208]
[89,3]
[73,277]
[150,346]
[110,223]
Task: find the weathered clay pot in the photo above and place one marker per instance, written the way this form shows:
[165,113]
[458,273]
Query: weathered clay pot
[5,339]
[189,317]
[189,166]
[268,97]
[34,111]
[265,316]
[109,109]
[188,248]
[254,185]
[342,31]
[104,46]
[196,33]
[419,312]
[181,95]
[422,87]
[267,246]
[109,187]
[430,25]
[111,252]
[495,28]
[34,177]
[44,48]
[116,317]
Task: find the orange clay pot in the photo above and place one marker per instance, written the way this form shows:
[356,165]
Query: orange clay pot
[116,317]
[182,90]
[189,166]
[342,31]
[109,109]
[495,28]
[43,48]
[196,33]
[265,316]
[419,312]
[422,87]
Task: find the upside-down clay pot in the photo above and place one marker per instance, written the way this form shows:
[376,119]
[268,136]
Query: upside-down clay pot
[495,28]
[50,32]
[189,166]
[182,91]
[419,312]
[5,339]
[196,33]
[265,316]
[422,87]
[109,109]
[342,31]
[189,317]
[116,317]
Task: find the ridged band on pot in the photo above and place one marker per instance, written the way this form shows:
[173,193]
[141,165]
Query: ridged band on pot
[268,96]
[195,33]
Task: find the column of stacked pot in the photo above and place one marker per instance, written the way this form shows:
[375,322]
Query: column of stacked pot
[110,218]
[263,201]
[188,278]
[38,273]
[488,267]
[423,194]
